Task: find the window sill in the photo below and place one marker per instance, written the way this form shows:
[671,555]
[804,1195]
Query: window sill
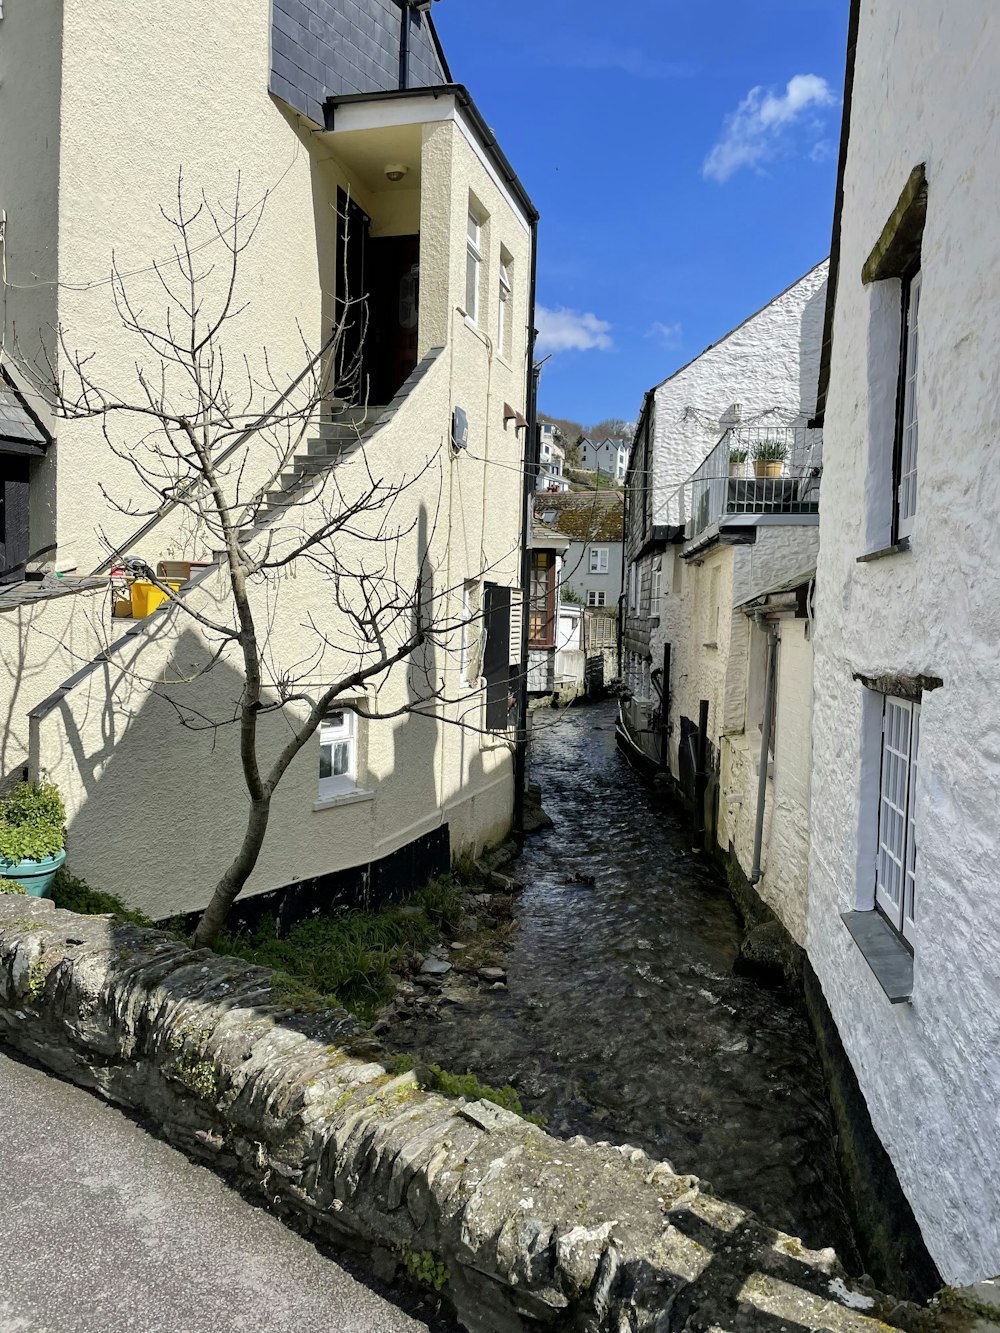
[507,366]
[895,549]
[884,952]
[355,797]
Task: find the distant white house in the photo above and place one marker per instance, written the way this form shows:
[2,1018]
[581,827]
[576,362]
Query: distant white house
[552,457]
[607,456]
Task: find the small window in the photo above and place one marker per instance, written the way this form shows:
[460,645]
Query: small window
[657,590]
[598,560]
[597,598]
[632,589]
[473,267]
[895,866]
[906,489]
[504,321]
[338,753]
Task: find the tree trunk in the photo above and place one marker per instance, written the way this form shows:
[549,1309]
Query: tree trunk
[231,884]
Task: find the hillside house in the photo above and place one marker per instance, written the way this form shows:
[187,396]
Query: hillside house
[384,207]
[551,460]
[608,457]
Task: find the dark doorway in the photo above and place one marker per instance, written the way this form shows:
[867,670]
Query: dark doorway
[13,518]
[378,301]
[391,349]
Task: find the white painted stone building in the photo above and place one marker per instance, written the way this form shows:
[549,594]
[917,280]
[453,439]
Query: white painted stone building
[720,563]
[906,738]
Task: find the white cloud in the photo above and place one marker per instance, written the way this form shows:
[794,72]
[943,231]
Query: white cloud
[761,126]
[565,330]
[667,334]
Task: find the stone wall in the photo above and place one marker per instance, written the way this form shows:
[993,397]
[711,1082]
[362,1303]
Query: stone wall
[519,1230]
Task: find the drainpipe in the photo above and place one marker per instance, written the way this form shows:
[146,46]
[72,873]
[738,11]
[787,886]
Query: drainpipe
[404,45]
[527,503]
[765,729]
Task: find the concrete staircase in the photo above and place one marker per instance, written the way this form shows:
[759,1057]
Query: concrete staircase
[339,439]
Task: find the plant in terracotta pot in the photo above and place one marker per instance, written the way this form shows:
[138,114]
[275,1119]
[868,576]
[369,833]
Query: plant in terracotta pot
[769,458]
[32,836]
[737,461]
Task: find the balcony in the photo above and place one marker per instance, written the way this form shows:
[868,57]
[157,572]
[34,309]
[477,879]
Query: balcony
[755,471]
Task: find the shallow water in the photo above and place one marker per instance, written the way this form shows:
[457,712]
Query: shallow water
[623,1019]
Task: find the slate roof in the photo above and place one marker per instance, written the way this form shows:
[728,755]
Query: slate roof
[324,48]
[586,516]
[18,424]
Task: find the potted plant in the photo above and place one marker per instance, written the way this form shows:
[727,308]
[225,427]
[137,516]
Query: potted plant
[769,458]
[32,836]
[737,461]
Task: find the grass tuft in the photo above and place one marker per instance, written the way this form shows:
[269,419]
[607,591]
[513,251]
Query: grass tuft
[346,959]
[75,895]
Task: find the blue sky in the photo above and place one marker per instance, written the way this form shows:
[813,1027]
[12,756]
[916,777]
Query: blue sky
[682,155]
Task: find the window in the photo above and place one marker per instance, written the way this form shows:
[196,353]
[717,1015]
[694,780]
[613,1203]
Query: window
[896,856]
[906,448]
[473,267]
[894,266]
[632,589]
[598,560]
[338,754]
[657,590]
[504,320]
[597,598]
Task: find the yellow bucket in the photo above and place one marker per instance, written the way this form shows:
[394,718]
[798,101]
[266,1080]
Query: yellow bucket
[146,597]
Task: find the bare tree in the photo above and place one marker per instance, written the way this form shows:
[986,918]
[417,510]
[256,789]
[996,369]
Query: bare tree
[214,431]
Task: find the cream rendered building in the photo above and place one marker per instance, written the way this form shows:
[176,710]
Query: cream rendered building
[368,167]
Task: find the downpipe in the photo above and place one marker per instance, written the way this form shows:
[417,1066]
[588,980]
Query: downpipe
[765,736]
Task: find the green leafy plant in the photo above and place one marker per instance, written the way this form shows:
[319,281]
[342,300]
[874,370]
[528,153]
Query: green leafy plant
[770,451]
[32,823]
[423,1267]
[738,454]
[11,886]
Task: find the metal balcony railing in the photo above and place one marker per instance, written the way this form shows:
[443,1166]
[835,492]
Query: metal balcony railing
[755,470]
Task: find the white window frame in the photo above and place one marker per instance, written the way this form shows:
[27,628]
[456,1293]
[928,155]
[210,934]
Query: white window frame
[473,267]
[503,313]
[595,598]
[599,559]
[906,493]
[896,848]
[656,593]
[632,588]
[339,728]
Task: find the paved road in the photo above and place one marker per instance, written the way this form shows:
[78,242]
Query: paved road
[105,1229]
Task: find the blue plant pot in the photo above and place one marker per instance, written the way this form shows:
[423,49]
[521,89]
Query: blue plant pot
[36,876]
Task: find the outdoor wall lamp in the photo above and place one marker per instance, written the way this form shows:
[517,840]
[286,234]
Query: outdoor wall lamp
[395,171]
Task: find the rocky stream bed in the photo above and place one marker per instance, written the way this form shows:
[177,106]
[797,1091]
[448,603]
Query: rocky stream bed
[603,989]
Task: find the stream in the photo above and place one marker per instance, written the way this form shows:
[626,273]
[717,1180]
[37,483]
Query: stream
[623,1018]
